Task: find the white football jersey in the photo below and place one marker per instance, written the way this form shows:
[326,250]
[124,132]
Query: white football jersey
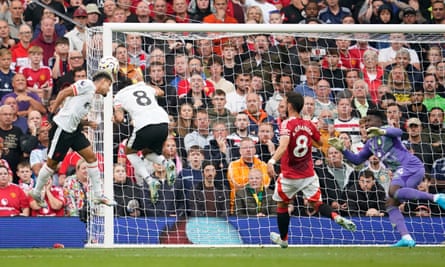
[76,107]
[140,102]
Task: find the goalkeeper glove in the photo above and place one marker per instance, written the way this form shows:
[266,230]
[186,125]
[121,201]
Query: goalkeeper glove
[337,143]
[374,131]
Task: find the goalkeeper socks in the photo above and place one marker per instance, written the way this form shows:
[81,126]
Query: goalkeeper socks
[396,218]
[406,193]
[43,177]
[94,175]
[283,220]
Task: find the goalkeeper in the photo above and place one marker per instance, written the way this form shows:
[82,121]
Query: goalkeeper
[385,143]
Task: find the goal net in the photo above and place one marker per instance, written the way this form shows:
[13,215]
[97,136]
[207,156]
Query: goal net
[185,213]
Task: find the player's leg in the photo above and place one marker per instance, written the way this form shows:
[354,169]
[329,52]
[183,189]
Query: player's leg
[399,192]
[82,145]
[57,149]
[313,195]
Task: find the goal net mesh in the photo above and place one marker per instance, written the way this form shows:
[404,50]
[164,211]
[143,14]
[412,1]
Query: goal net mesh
[263,57]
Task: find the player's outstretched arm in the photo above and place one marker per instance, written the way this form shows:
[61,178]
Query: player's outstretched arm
[61,96]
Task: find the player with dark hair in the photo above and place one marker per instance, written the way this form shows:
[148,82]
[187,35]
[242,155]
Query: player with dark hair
[385,143]
[66,133]
[297,170]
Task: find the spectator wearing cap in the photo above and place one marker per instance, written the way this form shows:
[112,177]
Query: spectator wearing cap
[414,143]
[416,109]
[77,35]
[409,15]
[94,15]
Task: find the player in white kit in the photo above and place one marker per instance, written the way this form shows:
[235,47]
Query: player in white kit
[66,132]
[150,122]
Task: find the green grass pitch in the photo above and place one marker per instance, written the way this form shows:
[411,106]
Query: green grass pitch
[227,257]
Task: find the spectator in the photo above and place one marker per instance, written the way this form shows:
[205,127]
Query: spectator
[254,199]
[293,13]
[382,174]
[215,65]
[136,54]
[126,5]
[241,129]
[360,102]
[24,172]
[94,17]
[19,121]
[194,65]
[403,59]
[431,97]
[46,39]
[266,146]
[108,10]
[180,69]
[54,197]
[386,99]
[366,197]
[59,64]
[308,111]
[266,8]
[128,195]
[323,94]
[346,121]
[218,112]
[236,101]
[166,94]
[77,36]
[433,57]
[180,11]
[208,199]
[220,151]
[285,84]
[332,72]
[416,108]
[38,77]
[400,85]
[346,60]
[238,170]
[333,12]
[185,119]
[15,202]
[387,55]
[435,133]
[372,73]
[229,55]
[159,13]
[59,27]
[196,94]
[199,9]
[311,77]
[170,152]
[26,101]
[128,70]
[254,15]
[76,63]
[75,189]
[38,154]
[437,12]
[369,11]
[5,39]
[335,177]
[14,17]
[394,118]
[6,74]
[19,52]
[311,10]
[326,128]
[257,115]
[202,135]
[422,150]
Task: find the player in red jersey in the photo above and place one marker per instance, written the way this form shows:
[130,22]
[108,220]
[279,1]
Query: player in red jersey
[297,169]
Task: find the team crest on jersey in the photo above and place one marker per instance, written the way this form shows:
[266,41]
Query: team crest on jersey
[42,77]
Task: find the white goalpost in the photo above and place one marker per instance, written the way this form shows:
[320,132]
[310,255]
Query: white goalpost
[107,230]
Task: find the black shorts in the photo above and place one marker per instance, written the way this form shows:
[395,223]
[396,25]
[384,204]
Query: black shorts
[61,142]
[150,137]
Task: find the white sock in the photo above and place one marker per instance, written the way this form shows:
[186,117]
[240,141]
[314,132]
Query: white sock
[43,177]
[140,168]
[407,237]
[155,158]
[94,175]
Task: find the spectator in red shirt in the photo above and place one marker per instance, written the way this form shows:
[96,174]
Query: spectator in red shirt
[14,200]
[53,196]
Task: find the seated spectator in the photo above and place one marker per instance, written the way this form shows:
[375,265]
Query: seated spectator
[20,50]
[77,36]
[24,172]
[360,101]
[309,80]
[382,174]
[423,150]
[335,177]
[422,208]
[387,55]
[215,66]
[38,154]
[220,14]
[185,119]
[218,112]
[266,147]
[165,93]
[94,18]
[366,197]
[46,39]
[435,132]
[241,130]
[17,120]
[236,100]
[54,199]
[254,199]
[332,72]
[416,109]
[394,118]
[198,10]
[327,129]
[431,97]
[208,199]
[372,73]
[38,78]
[403,59]
[201,136]
[196,94]
[59,64]
[128,195]
[14,199]
[170,152]
[308,111]
[346,121]
[132,72]
[76,63]
[333,12]
[285,84]
[191,173]
[6,74]
[400,85]
[323,98]
[265,7]
[257,115]
[75,189]
[238,170]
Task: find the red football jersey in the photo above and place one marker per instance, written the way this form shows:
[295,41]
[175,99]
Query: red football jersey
[296,162]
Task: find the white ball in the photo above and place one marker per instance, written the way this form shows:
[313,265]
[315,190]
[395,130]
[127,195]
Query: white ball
[109,64]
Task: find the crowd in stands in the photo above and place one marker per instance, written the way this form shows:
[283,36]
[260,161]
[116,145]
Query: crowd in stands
[224,97]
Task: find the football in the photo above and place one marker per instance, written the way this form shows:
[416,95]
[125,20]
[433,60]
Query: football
[109,64]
